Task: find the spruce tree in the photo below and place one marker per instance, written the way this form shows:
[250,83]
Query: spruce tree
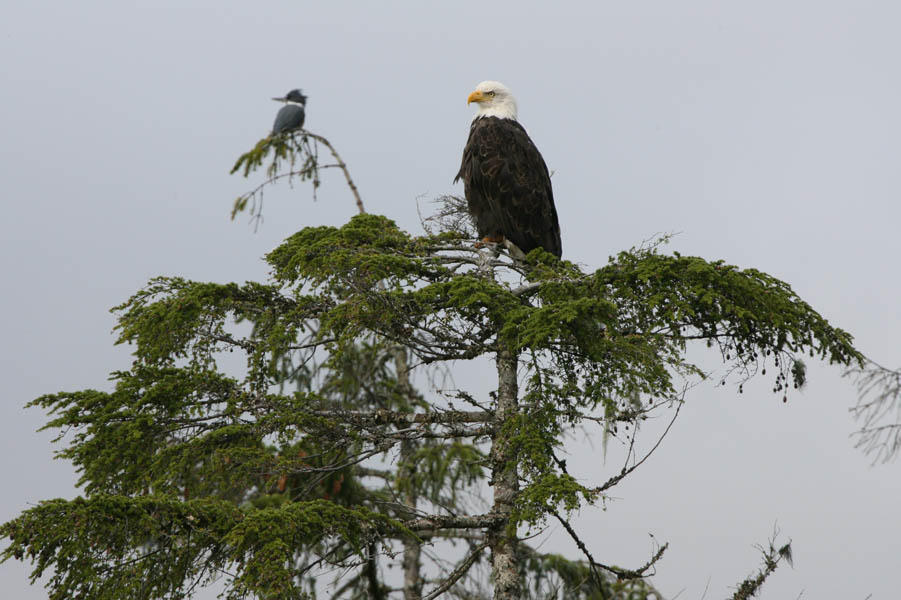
[328,452]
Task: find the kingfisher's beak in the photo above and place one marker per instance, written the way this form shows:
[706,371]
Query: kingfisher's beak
[476,96]
[280,99]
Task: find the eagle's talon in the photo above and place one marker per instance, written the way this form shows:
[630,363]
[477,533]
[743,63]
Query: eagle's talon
[490,240]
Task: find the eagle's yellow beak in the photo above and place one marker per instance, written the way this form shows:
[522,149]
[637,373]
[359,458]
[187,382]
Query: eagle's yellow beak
[476,96]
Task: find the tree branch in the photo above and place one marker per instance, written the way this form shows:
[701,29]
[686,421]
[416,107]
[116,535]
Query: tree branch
[620,573]
[457,573]
[389,417]
[435,522]
[771,557]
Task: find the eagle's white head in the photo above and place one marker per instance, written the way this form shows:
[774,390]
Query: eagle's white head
[494,99]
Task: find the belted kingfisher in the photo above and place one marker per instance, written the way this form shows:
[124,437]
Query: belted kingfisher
[291,114]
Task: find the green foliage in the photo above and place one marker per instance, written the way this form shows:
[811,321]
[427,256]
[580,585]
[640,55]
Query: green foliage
[190,469]
[154,546]
[439,472]
[293,154]
[370,248]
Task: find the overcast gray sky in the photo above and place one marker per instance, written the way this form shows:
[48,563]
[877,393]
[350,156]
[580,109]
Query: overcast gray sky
[766,133]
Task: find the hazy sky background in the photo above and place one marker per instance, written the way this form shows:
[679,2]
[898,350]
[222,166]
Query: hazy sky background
[766,134]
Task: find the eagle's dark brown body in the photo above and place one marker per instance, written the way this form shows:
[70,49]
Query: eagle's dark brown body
[508,187]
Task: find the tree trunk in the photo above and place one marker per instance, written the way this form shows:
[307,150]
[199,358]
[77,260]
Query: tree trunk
[502,537]
[412,562]
[412,549]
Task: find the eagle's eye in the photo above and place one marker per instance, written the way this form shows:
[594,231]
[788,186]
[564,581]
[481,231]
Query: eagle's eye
[491,93]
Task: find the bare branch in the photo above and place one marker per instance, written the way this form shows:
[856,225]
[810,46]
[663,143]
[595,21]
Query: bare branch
[626,471]
[457,573]
[390,417]
[434,522]
[341,165]
[878,410]
[596,566]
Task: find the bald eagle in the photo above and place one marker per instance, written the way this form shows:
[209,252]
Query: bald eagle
[507,185]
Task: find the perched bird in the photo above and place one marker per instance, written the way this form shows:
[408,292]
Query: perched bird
[292,114]
[507,185]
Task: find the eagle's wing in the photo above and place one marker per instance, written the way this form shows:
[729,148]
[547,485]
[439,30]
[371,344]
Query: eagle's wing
[508,187]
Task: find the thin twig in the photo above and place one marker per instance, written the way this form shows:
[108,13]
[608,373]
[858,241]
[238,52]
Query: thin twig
[457,573]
